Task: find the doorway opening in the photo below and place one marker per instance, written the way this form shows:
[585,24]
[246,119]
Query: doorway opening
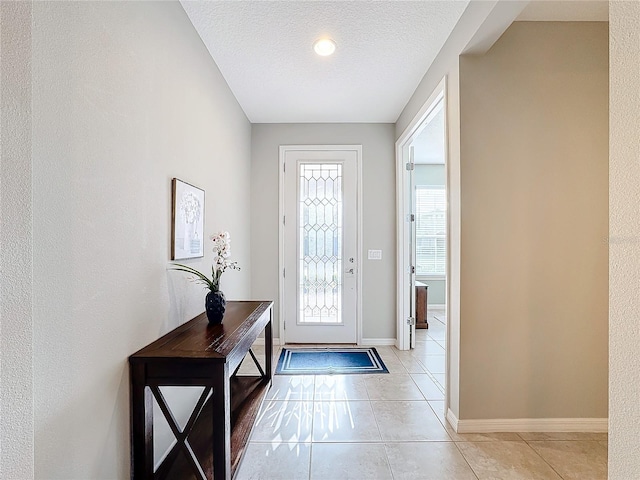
[423,262]
[429,242]
[422,226]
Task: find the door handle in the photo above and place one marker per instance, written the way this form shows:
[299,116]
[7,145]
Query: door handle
[349,271]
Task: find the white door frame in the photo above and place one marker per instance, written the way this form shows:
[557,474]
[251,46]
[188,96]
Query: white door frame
[403,303]
[281,193]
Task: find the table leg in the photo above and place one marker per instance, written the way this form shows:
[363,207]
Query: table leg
[268,348]
[141,424]
[221,405]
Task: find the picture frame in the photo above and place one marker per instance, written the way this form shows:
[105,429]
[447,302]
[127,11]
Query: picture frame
[187,220]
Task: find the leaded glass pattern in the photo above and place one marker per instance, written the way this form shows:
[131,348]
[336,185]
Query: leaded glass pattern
[320,237]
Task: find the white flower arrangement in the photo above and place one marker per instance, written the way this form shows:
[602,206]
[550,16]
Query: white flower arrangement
[222,252]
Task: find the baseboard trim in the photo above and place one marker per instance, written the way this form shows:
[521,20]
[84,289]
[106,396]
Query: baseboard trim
[452,419]
[493,425]
[378,342]
[260,341]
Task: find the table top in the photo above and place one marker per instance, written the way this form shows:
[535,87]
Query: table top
[420,284]
[197,339]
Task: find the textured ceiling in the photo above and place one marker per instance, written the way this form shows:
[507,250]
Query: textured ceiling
[264,50]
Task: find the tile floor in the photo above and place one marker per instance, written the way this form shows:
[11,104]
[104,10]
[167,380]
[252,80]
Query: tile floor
[368,427]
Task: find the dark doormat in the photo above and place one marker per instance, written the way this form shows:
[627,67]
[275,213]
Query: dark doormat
[329,361]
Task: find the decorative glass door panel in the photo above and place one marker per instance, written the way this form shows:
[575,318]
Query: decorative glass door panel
[320,248]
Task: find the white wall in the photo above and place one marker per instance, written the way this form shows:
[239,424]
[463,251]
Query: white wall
[16,263]
[533,163]
[624,239]
[453,237]
[378,191]
[125,97]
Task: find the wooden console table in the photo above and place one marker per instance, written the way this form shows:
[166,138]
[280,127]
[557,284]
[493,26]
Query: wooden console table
[421,305]
[198,354]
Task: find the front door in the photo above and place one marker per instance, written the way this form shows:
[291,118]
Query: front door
[320,244]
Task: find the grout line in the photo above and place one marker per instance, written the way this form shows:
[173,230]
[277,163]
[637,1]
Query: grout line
[378,442]
[439,419]
[375,419]
[421,392]
[310,455]
[386,452]
[466,461]
[313,424]
[543,459]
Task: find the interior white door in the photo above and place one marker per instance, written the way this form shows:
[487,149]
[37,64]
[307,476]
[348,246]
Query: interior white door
[320,246]
[412,249]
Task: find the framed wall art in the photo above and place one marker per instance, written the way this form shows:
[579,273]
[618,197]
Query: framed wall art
[187,221]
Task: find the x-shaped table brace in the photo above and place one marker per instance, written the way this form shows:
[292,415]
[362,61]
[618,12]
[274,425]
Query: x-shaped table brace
[181,436]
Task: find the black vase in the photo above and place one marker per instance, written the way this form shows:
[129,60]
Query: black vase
[215,304]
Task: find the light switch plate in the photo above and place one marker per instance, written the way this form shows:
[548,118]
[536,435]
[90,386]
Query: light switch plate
[375,255]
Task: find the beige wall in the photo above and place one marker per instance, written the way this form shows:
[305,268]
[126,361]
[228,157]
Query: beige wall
[378,214]
[534,219]
[624,240]
[125,97]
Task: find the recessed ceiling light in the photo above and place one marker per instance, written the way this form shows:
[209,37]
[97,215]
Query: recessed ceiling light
[324,46]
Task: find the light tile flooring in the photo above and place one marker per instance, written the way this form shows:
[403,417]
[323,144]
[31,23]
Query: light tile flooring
[367,427]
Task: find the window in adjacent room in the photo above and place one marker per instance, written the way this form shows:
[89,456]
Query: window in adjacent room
[431,227]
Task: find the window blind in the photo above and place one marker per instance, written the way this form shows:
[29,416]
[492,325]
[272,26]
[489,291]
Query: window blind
[431,229]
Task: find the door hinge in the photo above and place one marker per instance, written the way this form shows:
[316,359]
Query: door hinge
[411,321]
[284,220]
[284,167]
[283,273]
[410,166]
[284,325]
